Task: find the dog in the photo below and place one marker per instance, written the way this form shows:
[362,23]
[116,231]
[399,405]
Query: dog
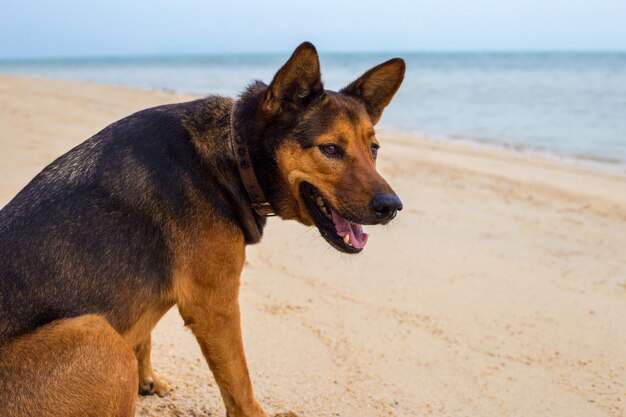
[156,211]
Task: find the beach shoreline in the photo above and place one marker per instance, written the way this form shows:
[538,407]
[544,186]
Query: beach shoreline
[588,161]
[500,289]
[567,105]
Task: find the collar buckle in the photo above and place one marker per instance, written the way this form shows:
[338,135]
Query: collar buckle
[264,209]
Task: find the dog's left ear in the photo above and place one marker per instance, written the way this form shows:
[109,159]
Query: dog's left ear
[376,87]
[296,82]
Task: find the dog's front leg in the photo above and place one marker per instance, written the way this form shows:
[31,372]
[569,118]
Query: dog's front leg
[149,382]
[209,306]
[222,347]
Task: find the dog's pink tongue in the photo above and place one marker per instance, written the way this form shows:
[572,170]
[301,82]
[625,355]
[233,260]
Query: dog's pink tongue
[358,238]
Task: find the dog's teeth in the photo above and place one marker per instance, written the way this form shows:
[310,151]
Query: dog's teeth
[346,239]
[319,201]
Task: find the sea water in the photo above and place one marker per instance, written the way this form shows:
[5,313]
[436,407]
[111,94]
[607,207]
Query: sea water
[566,104]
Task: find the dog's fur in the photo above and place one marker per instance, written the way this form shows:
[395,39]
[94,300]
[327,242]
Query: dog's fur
[150,213]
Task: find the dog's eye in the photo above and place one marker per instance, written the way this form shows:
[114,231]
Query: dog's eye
[332,151]
[375,150]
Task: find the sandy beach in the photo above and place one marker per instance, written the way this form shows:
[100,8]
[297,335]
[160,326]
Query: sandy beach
[500,289]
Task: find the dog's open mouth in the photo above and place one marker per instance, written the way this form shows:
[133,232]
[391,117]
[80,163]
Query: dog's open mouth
[342,234]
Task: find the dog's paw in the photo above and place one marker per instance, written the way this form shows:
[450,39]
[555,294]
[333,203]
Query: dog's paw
[154,385]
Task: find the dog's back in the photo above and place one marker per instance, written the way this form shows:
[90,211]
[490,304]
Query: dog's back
[93,232]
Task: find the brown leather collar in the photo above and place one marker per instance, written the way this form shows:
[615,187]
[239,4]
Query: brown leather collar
[246,171]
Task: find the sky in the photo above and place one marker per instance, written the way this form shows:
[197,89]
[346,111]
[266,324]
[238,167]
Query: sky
[75,28]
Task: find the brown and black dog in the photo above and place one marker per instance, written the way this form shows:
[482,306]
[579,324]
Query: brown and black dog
[156,210]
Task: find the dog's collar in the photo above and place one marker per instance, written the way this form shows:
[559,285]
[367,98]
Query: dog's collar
[246,171]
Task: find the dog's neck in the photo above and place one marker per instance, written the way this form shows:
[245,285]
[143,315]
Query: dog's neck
[243,158]
[260,147]
[208,123]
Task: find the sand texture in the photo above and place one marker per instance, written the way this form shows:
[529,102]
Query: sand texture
[500,290]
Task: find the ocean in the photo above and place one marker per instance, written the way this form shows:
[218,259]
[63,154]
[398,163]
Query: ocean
[565,104]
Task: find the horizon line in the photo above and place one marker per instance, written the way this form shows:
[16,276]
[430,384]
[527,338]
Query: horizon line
[86,57]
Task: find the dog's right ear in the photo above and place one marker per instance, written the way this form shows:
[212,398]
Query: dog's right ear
[296,82]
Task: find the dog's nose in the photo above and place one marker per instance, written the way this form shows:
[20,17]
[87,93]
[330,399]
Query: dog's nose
[386,205]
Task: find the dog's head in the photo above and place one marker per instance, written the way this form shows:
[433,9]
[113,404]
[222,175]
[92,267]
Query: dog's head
[326,155]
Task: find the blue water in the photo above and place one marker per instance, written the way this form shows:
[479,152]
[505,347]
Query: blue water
[567,104]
